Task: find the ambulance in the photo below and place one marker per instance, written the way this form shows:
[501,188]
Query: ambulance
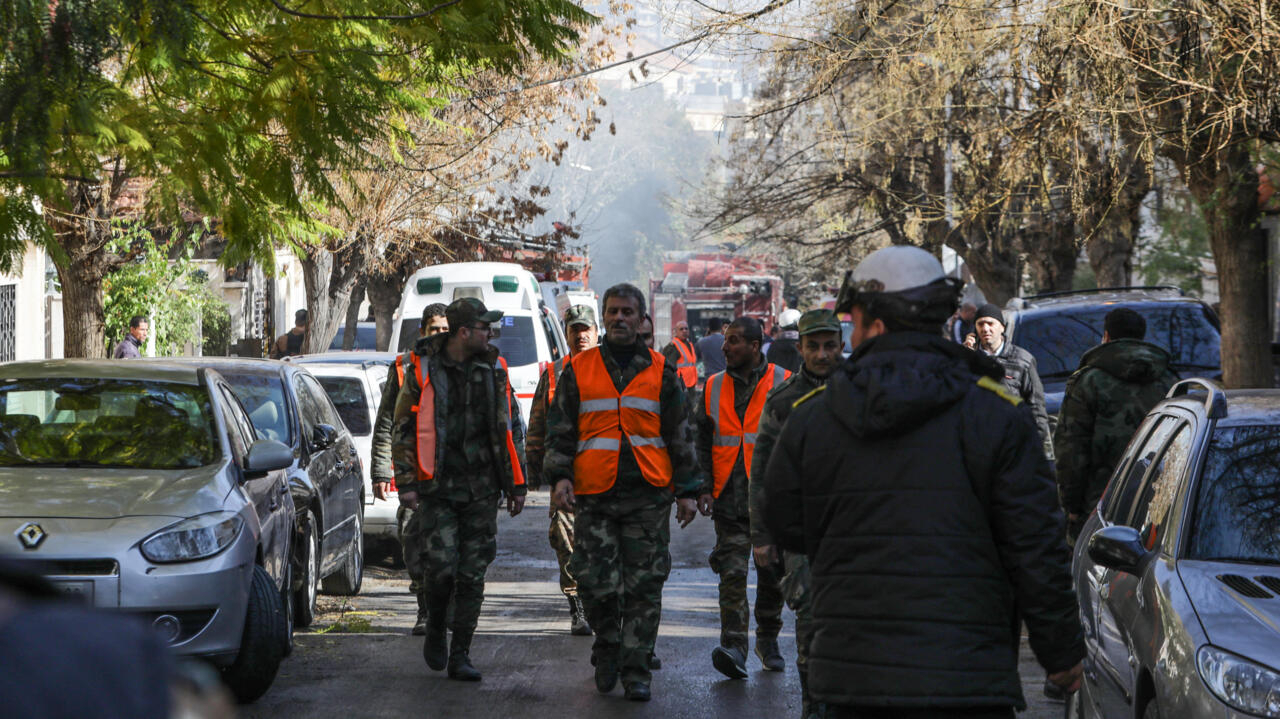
[529,334]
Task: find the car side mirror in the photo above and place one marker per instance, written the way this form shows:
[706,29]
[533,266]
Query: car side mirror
[267,455]
[1118,547]
[324,436]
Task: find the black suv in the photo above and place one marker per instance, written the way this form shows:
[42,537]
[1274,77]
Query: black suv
[1059,327]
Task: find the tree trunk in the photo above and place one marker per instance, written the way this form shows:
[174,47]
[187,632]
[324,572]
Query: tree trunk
[1116,228]
[385,290]
[83,333]
[1051,255]
[1225,185]
[996,270]
[83,233]
[353,316]
[329,276]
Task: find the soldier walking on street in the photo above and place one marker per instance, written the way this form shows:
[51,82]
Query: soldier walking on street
[454,451]
[820,345]
[380,470]
[618,449]
[917,486]
[732,405]
[580,328]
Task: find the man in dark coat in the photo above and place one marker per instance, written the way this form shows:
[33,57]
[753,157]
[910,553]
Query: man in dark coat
[915,483]
[1020,374]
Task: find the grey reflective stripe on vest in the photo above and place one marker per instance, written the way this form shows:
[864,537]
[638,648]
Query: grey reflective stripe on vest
[713,396]
[779,376]
[637,441]
[604,443]
[648,405]
[727,440]
[598,405]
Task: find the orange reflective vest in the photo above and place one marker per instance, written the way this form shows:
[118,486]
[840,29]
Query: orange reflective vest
[426,423]
[687,367]
[732,434]
[605,417]
[553,369]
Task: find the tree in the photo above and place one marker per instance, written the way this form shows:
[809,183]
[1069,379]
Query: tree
[239,111]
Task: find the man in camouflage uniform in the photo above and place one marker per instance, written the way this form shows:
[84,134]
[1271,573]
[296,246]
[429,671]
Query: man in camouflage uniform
[433,323]
[1105,400]
[454,494]
[674,357]
[746,370]
[622,536]
[580,328]
[820,345]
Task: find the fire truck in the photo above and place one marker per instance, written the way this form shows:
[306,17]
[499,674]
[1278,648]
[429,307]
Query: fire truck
[696,287]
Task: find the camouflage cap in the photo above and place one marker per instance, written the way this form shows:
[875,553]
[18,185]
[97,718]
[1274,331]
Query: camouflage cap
[818,321]
[580,315]
[468,311]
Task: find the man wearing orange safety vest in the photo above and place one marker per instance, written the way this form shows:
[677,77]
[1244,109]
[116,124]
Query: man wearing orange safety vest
[580,330]
[433,323]
[728,419]
[619,450]
[681,353]
[456,445]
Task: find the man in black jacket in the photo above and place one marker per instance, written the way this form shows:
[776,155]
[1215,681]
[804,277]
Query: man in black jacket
[915,483]
[1020,374]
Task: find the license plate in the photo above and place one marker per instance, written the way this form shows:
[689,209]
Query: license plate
[79,591]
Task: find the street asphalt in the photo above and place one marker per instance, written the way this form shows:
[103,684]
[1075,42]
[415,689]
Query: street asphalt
[359,660]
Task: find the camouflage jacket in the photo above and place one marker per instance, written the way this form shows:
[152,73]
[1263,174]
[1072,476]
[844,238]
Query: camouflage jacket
[733,500]
[562,435]
[777,407]
[535,440]
[380,454]
[494,452]
[1104,402]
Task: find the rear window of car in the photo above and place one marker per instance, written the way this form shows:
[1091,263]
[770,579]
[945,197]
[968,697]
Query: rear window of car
[348,396]
[105,423]
[1058,340]
[366,338]
[1237,511]
[263,399]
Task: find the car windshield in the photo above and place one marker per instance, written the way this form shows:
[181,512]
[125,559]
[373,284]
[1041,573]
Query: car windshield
[61,422]
[1237,509]
[516,341]
[366,338]
[347,394]
[263,400]
[1058,340]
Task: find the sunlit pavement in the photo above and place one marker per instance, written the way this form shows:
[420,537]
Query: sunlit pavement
[361,662]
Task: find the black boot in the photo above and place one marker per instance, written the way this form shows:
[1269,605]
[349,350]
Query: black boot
[578,625]
[770,657]
[436,647]
[730,661]
[460,658]
[420,626]
[606,672]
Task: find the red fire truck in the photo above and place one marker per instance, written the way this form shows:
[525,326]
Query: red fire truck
[698,286]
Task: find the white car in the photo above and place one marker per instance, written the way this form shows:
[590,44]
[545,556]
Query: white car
[529,332]
[354,382]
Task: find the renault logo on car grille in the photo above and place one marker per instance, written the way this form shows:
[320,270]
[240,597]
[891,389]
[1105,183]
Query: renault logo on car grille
[31,535]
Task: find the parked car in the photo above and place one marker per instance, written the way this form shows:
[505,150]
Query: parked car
[354,383]
[366,338]
[529,333]
[1178,569]
[1059,327]
[286,403]
[143,487]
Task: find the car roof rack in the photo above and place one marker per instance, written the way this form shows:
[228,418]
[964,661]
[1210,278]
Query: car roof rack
[1099,290]
[1215,401]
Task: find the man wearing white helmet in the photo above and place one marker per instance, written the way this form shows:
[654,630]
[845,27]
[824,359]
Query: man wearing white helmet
[784,351]
[916,485]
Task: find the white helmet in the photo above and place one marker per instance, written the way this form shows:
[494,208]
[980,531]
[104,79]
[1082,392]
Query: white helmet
[789,318]
[896,268]
[904,281]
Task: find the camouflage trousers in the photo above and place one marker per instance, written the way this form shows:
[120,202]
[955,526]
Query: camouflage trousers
[455,543]
[795,588]
[621,560]
[561,535]
[729,559]
[409,548]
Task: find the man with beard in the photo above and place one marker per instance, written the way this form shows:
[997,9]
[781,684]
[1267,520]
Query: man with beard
[619,450]
[580,328]
[820,345]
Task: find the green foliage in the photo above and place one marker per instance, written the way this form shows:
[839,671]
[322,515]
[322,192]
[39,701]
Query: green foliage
[171,293]
[242,110]
[1175,256]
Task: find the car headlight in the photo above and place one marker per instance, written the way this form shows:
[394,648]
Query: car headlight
[1242,684]
[194,538]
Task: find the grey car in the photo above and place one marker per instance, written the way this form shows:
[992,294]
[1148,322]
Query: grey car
[1178,569]
[142,487]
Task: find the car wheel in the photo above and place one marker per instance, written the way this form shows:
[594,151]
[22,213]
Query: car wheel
[304,600]
[346,581]
[255,666]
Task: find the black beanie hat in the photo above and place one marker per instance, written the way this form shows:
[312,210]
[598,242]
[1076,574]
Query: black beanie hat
[991,311]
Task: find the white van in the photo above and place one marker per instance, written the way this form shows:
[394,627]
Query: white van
[530,331]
